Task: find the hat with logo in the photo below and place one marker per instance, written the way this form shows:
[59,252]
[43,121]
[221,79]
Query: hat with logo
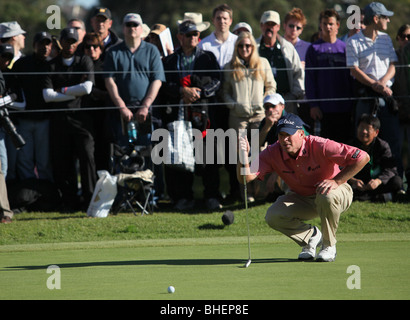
[187,27]
[40,36]
[197,19]
[270,16]
[7,51]
[101,11]
[132,17]
[69,33]
[376,9]
[10,29]
[290,123]
[274,99]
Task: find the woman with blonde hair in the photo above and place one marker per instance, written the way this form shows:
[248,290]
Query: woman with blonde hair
[248,79]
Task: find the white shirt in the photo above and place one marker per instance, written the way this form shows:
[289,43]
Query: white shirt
[372,57]
[223,51]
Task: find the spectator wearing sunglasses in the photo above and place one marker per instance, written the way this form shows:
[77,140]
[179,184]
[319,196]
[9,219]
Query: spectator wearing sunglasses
[284,60]
[403,35]
[401,89]
[70,78]
[79,25]
[98,98]
[134,76]
[134,73]
[274,105]
[295,22]
[248,79]
[193,79]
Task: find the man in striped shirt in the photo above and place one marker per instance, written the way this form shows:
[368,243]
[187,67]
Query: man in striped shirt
[371,57]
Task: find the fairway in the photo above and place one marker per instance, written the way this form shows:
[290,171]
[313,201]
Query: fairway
[207,269]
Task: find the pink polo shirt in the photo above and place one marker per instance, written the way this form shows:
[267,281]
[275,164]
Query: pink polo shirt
[318,159]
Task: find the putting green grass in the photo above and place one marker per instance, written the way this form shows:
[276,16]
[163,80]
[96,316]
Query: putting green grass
[207,269]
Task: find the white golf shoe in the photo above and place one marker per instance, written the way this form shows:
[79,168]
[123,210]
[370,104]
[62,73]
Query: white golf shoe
[327,254]
[309,251]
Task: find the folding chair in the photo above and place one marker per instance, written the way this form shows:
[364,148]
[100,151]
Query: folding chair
[135,189]
[133,166]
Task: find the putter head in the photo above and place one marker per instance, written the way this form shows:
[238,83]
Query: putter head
[248,263]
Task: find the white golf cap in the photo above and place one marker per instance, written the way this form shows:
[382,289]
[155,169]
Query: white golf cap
[132,17]
[242,25]
[270,16]
[274,99]
[10,29]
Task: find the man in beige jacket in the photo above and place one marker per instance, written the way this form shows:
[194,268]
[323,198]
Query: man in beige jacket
[284,60]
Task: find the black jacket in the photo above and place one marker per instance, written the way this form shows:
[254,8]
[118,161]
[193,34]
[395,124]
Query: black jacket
[209,82]
[382,164]
[32,84]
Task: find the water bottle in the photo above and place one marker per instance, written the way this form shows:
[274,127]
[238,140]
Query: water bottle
[317,128]
[132,131]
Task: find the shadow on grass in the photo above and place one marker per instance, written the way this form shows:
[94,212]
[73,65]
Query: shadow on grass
[166,262]
[211,226]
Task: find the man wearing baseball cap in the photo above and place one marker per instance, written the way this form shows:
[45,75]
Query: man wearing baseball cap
[371,57]
[275,108]
[101,23]
[34,126]
[134,75]
[283,58]
[143,71]
[192,78]
[70,78]
[311,168]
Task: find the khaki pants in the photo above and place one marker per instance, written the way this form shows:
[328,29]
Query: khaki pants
[246,122]
[289,213]
[4,201]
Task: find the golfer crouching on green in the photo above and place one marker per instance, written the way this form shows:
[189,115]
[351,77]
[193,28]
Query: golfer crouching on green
[315,170]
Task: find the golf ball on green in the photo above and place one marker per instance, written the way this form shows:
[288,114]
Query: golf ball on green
[171,289]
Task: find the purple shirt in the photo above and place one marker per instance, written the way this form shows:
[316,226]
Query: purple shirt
[301,47]
[331,80]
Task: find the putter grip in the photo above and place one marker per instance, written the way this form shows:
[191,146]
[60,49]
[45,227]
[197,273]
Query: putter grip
[243,153]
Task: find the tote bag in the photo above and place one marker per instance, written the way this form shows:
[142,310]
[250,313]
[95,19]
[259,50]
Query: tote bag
[180,145]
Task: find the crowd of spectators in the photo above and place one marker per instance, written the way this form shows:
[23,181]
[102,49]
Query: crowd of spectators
[81,88]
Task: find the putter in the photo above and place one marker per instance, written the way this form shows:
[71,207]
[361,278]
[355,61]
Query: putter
[247,264]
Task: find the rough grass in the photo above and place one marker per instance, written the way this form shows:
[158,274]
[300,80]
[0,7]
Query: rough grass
[37,228]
